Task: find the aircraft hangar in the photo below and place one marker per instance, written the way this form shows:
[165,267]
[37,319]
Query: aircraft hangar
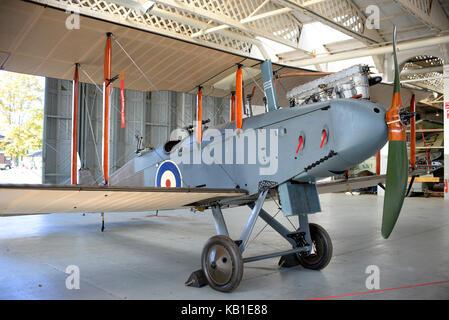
[88,212]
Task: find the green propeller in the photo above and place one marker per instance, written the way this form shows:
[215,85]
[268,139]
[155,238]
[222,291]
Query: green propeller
[397,168]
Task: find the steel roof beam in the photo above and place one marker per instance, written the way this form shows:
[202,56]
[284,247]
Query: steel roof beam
[429,12]
[243,21]
[225,20]
[309,8]
[202,25]
[407,72]
[94,12]
[373,51]
[356,30]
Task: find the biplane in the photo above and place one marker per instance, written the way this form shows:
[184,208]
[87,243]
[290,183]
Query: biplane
[281,154]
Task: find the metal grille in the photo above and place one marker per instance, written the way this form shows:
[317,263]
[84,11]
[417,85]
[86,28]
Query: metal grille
[343,12]
[171,21]
[420,62]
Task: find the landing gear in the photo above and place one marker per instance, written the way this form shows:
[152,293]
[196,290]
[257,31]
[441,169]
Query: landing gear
[222,263]
[321,253]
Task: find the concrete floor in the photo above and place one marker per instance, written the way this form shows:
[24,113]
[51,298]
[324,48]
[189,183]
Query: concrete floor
[140,256]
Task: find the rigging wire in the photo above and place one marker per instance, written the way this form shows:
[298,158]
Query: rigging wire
[255,82]
[263,228]
[93,134]
[129,134]
[279,207]
[91,80]
[135,64]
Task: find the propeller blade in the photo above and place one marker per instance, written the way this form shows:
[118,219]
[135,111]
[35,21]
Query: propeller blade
[397,168]
[395,185]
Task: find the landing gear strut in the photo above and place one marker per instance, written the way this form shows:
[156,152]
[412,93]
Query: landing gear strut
[222,262]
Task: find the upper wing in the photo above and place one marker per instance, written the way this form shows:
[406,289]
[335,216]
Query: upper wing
[350,184]
[36,199]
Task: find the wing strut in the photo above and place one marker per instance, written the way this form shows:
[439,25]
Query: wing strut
[269,85]
[239,94]
[75,96]
[199,116]
[106,94]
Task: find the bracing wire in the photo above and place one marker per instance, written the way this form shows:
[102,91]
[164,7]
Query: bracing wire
[135,64]
[263,228]
[279,207]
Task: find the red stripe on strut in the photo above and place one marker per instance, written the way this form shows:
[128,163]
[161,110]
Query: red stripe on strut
[106,93]
[199,116]
[75,126]
[122,96]
[239,97]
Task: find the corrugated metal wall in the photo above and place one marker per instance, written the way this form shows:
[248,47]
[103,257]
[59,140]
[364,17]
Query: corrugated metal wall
[151,115]
[57,131]
[124,140]
[90,128]
[161,117]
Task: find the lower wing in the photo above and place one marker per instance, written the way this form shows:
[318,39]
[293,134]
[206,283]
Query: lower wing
[39,199]
[350,184]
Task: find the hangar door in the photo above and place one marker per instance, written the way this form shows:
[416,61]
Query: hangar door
[58,129]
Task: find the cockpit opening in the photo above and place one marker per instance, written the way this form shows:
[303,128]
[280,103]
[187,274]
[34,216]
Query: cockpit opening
[168,146]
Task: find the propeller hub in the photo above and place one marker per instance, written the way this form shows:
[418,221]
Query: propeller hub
[396,129]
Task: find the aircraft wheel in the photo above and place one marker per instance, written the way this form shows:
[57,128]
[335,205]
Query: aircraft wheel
[323,249]
[222,263]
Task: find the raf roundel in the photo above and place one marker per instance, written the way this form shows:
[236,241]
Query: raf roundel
[168,175]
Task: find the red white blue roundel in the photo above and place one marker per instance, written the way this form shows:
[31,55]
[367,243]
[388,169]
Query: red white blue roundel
[168,175]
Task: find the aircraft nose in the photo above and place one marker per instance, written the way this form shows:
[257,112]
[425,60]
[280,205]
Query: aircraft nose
[361,129]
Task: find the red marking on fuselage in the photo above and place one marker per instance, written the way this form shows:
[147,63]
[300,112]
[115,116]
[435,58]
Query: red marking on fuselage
[299,145]
[324,138]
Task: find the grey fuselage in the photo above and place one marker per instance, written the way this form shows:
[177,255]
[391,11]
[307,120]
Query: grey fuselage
[355,130]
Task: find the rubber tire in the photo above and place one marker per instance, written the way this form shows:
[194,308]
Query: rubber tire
[323,244]
[237,262]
